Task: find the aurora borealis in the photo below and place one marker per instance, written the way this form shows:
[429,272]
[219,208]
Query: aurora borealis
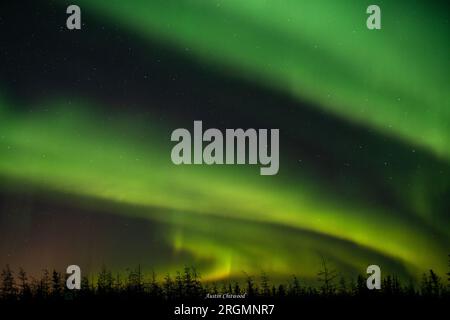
[86,117]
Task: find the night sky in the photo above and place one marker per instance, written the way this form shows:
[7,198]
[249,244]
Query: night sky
[86,116]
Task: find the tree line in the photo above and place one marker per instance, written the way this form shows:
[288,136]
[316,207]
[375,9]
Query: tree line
[187,284]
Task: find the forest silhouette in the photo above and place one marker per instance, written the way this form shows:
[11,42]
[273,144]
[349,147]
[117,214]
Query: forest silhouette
[18,287]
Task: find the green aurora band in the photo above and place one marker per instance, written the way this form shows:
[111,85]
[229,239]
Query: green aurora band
[229,218]
[395,80]
[99,163]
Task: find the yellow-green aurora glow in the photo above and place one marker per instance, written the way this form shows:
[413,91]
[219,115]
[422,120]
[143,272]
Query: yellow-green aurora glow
[70,152]
[226,219]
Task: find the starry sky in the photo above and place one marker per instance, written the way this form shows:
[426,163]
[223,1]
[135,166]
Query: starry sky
[86,116]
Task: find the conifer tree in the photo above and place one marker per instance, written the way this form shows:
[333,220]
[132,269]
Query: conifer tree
[8,286]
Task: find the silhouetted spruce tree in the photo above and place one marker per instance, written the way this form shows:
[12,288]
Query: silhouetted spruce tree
[135,281]
[310,291]
[196,283]
[281,291]
[353,287]
[448,274]
[179,287]
[117,284]
[326,277]
[56,284]
[24,287]
[214,288]
[431,284]
[224,287]
[236,289]
[361,286]
[435,282]
[85,291]
[168,286]
[410,289]
[187,281]
[8,286]
[44,285]
[154,288]
[265,288]
[396,286]
[425,285]
[342,290]
[105,281]
[387,285]
[252,290]
[206,288]
[191,283]
[294,287]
